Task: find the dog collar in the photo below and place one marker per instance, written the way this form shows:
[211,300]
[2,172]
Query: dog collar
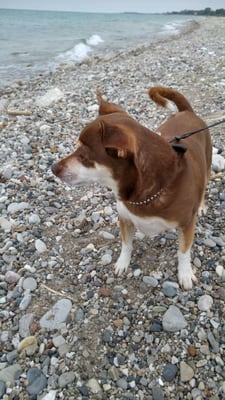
[149,200]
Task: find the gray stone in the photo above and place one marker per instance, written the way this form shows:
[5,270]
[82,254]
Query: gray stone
[37,381]
[122,383]
[79,315]
[10,374]
[58,314]
[173,320]
[2,388]
[29,283]
[94,386]
[66,379]
[157,393]
[24,324]
[214,344]
[169,372]
[150,281]
[186,372]
[25,300]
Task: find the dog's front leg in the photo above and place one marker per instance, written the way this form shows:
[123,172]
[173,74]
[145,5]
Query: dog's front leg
[127,230]
[186,276]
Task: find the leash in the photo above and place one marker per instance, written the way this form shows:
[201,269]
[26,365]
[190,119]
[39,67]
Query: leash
[186,135]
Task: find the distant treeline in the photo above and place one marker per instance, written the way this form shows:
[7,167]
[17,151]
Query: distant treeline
[220,12]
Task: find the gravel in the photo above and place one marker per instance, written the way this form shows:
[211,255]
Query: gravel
[70,329]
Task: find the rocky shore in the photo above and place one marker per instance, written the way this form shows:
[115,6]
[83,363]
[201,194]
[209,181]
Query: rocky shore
[69,328]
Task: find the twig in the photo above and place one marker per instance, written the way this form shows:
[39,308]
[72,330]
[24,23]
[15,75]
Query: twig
[55,292]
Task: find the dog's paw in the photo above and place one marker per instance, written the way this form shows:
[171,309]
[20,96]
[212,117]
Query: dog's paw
[120,266]
[187,279]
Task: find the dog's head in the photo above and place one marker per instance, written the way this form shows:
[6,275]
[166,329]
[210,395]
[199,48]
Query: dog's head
[105,150]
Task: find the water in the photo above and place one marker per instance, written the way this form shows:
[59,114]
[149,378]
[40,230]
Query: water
[33,42]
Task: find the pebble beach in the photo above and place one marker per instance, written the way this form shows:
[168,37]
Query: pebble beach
[69,328]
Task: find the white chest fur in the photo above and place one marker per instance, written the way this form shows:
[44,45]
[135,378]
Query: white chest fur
[150,226]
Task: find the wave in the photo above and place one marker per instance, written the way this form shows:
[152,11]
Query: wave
[81,51]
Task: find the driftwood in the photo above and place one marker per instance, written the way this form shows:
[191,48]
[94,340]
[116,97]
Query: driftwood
[18,112]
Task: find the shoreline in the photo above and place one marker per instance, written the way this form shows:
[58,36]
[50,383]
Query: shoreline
[58,245]
[112,55]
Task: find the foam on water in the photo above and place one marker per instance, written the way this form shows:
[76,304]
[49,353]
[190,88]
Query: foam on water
[80,51]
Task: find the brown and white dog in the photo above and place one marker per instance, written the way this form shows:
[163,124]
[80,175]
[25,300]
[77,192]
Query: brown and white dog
[158,185]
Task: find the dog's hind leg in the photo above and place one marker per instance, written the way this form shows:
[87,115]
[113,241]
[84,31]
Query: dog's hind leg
[186,276]
[127,230]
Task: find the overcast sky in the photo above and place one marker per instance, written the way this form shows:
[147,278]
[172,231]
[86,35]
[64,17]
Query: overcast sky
[150,6]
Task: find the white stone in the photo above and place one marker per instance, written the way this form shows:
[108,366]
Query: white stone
[34,219]
[50,396]
[205,302]
[218,163]
[15,207]
[107,235]
[219,270]
[106,259]
[51,96]
[40,246]
[94,386]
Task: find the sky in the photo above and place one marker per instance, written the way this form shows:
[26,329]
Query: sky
[147,6]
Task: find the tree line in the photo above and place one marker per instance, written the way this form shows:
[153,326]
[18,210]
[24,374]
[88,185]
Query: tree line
[220,12]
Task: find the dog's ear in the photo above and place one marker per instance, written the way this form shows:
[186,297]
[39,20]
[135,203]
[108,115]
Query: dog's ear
[117,140]
[179,148]
[107,108]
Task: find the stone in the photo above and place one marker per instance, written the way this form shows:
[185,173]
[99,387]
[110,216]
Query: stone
[173,320]
[24,324]
[205,302]
[94,386]
[150,281]
[28,341]
[51,96]
[58,340]
[11,277]
[34,219]
[37,381]
[40,246]
[186,372]
[106,259]
[219,270]
[2,389]
[5,224]
[10,374]
[213,342]
[51,395]
[169,372]
[218,163]
[25,300]
[16,207]
[157,393]
[29,283]
[58,314]
[66,379]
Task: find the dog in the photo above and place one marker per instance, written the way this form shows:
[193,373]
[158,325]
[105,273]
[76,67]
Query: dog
[159,182]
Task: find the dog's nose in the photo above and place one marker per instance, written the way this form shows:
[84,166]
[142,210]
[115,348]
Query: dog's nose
[57,168]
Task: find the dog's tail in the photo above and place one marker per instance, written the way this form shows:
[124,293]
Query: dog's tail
[163,96]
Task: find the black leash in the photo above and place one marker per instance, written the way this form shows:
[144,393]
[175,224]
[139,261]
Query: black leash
[186,135]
